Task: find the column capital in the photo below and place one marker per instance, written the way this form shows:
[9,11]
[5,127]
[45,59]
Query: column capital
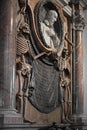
[79,20]
[83,3]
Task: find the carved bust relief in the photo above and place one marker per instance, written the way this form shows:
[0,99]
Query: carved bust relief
[49,25]
[48,31]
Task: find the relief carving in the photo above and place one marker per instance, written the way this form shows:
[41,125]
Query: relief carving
[23,54]
[45,78]
[65,85]
[49,26]
[47,29]
[80,22]
[43,67]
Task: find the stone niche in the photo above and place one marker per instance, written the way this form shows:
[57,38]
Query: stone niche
[43,62]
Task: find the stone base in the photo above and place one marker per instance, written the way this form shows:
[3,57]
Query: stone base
[10,117]
[80,119]
[27,126]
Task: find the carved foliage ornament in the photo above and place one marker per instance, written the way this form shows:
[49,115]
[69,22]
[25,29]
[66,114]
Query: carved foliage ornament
[80,22]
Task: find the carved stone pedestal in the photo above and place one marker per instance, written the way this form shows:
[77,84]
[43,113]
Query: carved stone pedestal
[10,117]
[80,119]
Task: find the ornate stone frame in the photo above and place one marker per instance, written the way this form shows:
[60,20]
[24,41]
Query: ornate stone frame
[40,12]
[36,14]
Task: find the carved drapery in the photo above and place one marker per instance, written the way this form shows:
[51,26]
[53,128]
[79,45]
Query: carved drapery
[46,88]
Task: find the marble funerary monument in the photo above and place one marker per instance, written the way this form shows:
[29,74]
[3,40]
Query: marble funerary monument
[41,70]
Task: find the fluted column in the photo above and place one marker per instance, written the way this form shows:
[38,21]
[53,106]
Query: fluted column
[7,61]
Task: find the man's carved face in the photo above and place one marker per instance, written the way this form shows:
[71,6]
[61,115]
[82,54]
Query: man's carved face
[52,16]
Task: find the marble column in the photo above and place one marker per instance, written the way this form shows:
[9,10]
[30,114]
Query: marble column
[79,72]
[79,86]
[7,62]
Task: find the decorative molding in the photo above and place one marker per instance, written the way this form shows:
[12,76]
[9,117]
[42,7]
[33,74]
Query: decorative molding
[66,8]
[63,2]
